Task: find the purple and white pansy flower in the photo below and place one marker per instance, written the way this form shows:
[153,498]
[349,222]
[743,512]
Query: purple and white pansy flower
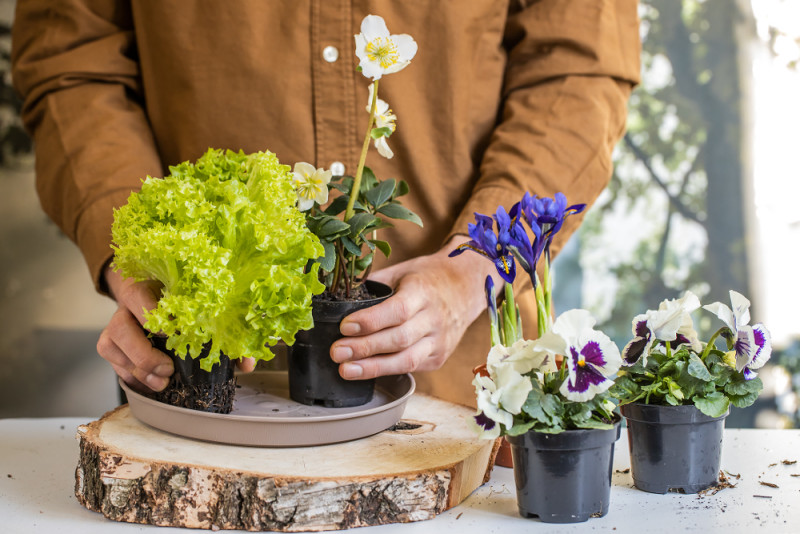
[670,323]
[591,357]
[752,345]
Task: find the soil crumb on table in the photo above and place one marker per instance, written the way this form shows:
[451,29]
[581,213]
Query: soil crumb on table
[725,481]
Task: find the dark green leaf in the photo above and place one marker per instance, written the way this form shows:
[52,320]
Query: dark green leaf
[328,261]
[368,180]
[396,211]
[350,246]
[327,227]
[401,189]
[383,246]
[359,222]
[379,195]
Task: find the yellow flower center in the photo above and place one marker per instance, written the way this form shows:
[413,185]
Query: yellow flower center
[383,51]
[581,363]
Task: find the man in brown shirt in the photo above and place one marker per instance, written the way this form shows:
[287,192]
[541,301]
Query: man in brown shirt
[503,97]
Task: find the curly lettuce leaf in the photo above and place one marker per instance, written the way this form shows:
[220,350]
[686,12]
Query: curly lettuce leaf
[224,237]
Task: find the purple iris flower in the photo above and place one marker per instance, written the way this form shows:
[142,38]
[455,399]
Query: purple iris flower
[490,245]
[548,214]
[527,252]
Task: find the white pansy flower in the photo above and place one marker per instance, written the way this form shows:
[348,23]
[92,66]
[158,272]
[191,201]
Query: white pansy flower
[752,344]
[592,359]
[524,356]
[311,185]
[671,323]
[379,52]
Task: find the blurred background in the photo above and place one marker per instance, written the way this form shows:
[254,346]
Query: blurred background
[701,199]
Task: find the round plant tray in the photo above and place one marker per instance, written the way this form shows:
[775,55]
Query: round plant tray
[263,414]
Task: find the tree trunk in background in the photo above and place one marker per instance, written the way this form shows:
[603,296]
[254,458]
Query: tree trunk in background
[719,102]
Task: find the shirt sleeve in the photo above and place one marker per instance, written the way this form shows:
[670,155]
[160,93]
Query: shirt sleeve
[74,63]
[571,65]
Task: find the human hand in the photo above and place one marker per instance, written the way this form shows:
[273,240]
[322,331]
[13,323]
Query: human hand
[123,342]
[435,299]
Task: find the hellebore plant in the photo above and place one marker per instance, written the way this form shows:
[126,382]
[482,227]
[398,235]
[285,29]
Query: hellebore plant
[559,381]
[349,223]
[666,363]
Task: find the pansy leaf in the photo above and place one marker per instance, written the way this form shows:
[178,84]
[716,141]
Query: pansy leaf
[520,428]
[698,369]
[743,387]
[713,405]
[379,195]
[396,211]
[594,423]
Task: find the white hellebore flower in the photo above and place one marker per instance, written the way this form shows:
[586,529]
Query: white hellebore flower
[384,118]
[311,184]
[380,53]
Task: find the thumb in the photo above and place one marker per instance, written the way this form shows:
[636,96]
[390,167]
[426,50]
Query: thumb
[388,275]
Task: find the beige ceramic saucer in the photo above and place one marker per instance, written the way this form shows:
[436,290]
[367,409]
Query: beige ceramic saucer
[263,414]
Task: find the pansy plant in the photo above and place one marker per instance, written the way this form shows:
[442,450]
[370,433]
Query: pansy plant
[665,362]
[347,227]
[561,380]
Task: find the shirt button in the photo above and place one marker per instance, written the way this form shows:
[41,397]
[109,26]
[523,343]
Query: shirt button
[330,54]
[337,168]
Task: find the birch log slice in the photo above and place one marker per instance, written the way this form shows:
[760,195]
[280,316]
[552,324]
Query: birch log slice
[427,463]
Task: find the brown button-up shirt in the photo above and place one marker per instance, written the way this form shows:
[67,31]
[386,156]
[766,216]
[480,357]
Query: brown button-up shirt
[504,96]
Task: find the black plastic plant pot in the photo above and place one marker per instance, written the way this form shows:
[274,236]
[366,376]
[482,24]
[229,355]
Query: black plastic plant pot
[192,387]
[313,376]
[566,477]
[673,448]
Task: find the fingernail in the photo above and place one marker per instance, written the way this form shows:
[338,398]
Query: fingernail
[164,370]
[352,370]
[350,328]
[342,354]
[156,383]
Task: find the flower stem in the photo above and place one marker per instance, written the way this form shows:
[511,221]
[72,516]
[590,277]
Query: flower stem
[710,343]
[363,159]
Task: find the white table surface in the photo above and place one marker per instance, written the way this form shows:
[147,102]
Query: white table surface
[38,459]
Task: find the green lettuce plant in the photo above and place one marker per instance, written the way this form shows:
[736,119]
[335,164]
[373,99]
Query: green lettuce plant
[225,238]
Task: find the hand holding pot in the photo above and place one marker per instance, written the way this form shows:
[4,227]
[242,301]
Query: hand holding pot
[435,299]
[123,342]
